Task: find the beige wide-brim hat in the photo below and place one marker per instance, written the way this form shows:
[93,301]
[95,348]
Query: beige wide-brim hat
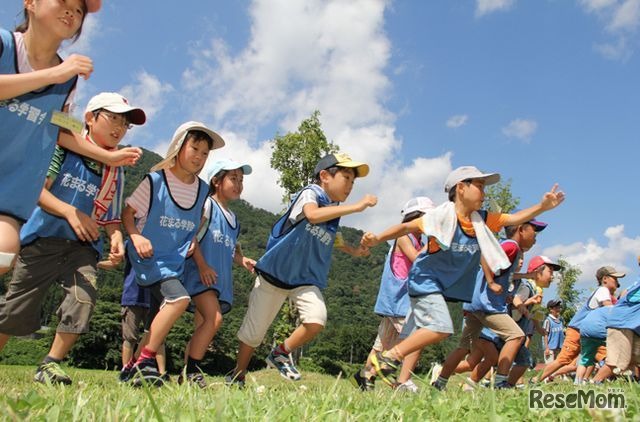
[178,139]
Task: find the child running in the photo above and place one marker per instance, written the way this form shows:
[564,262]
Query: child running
[208,274]
[35,84]
[61,241]
[162,217]
[296,264]
[463,234]
[392,303]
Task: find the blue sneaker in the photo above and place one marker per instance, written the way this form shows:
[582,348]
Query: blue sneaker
[504,385]
[232,379]
[146,372]
[284,364]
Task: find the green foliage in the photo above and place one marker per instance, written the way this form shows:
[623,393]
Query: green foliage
[566,289]
[499,198]
[101,346]
[25,351]
[296,154]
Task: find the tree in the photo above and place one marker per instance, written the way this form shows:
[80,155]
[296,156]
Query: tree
[566,288]
[295,154]
[498,197]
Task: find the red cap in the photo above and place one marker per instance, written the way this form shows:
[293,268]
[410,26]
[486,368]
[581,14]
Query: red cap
[539,260]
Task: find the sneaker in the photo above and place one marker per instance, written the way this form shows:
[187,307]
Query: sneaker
[284,364]
[408,387]
[233,379]
[469,385]
[363,383]
[124,375]
[386,368]
[195,378]
[51,372]
[438,386]
[504,385]
[146,372]
[435,373]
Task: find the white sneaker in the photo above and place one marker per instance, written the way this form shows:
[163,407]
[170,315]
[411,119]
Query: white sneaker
[435,373]
[408,387]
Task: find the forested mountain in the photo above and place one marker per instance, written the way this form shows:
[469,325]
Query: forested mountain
[351,328]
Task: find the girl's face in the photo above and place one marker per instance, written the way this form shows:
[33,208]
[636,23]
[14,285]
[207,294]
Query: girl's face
[63,17]
[193,155]
[106,128]
[231,185]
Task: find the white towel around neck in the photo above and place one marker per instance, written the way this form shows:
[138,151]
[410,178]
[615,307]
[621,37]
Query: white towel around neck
[440,223]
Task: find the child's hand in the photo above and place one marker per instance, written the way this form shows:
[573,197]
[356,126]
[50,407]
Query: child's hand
[83,226]
[142,245]
[207,275]
[367,201]
[127,156]
[107,265]
[552,198]
[116,253]
[73,65]
[535,300]
[361,251]
[369,240]
[249,264]
[495,288]
[547,352]
[192,247]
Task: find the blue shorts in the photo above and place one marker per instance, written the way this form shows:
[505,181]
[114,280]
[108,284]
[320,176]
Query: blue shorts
[430,312]
[524,358]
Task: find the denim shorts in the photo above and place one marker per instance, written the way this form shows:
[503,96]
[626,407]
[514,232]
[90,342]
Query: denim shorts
[430,312]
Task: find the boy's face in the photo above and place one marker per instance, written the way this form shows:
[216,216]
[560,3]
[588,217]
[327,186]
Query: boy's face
[545,277]
[471,192]
[107,128]
[555,311]
[527,236]
[338,186]
[610,282]
[193,155]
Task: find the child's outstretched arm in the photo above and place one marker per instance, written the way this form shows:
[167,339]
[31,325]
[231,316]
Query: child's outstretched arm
[370,239]
[127,156]
[315,214]
[239,258]
[356,251]
[13,85]
[550,200]
[142,244]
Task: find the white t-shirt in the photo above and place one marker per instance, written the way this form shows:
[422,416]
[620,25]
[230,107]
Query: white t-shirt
[601,295]
[25,67]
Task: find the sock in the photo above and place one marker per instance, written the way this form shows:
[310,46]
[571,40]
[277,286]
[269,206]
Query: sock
[146,354]
[48,359]
[500,378]
[470,382]
[442,382]
[282,349]
[129,364]
[193,365]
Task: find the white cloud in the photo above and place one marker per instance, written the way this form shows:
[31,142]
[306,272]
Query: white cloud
[148,92]
[522,129]
[457,121]
[618,251]
[303,56]
[485,7]
[621,19]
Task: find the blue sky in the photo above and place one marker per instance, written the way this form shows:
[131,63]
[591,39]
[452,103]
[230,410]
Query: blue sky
[540,91]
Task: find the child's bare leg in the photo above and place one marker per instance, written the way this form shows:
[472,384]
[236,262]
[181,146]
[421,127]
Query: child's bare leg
[9,242]
[244,357]
[508,354]
[163,322]
[418,340]
[453,359]
[603,373]
[62,343]
[472,360]
[4,338]
[209,309]
[408,365]
[516,373]
[303,334]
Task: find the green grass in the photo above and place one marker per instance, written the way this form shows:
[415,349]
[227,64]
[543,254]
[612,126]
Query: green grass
[96,395]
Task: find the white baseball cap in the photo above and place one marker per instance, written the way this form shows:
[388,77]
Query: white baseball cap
[116,103]
[469,172]
[178,139]
[419,203]
[224,164]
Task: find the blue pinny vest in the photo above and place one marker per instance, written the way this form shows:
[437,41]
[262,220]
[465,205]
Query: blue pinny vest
[393,296]
[594,324]
[300,255]
[218,247]
[170,229]
[581,314]
[450,272]
[555,338]
[626,313]
[27,137]
[77,185]
[484,300]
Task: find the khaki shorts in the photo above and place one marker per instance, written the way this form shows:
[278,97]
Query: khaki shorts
[265,301]
[388,333]
[624,348]
[133,319]
[501,324]
[40,264]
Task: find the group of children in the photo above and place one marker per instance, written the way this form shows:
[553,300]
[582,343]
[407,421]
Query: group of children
[59,187]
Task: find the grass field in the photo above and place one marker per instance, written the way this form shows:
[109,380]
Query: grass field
[96,395]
